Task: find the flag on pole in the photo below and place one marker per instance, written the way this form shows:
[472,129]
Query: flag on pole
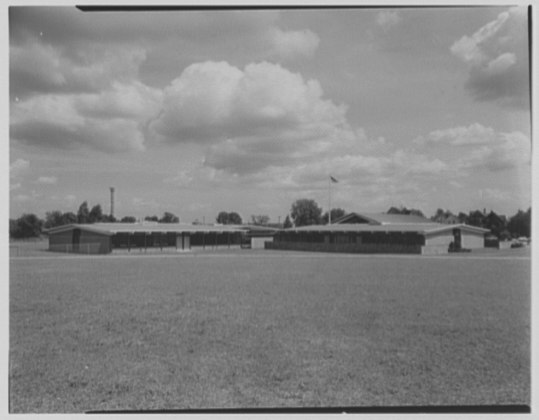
[333,179]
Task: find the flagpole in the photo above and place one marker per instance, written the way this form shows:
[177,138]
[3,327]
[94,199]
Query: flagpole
[329,206]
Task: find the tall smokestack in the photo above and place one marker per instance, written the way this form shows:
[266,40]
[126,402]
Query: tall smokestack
[111,202]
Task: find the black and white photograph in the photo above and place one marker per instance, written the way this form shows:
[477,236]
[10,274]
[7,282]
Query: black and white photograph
[257,208]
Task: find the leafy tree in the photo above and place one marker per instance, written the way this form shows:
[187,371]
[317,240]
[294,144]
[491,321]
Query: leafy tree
[83,215]
[287,223]
[128,219]
[404,210]
[69,218]
[108,218]
[96,214]
[416,212]
[439,215]
[496,223]
[260,219]
[53,218]
[231,218]
[520,224]
[222,218]
[335,214]
[26,226]
[306,212]
[234,218]
[151,218]
[169,218]
[444,216]
[463,218]
[57,218]
[394,210]
[476,218]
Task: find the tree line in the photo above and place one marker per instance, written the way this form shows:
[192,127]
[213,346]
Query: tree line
[233,218]
[29,225]
[303,212]
[306,212]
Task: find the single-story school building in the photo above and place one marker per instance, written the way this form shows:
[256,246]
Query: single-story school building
[381,233]
[103,238]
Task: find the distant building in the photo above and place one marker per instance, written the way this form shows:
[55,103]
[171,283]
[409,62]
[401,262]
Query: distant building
[355,232]
[103,238]
[381,233]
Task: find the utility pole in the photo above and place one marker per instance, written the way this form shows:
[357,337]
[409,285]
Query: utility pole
[111,202]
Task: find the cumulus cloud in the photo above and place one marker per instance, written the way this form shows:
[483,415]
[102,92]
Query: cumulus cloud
[458,136]
[24,198]
[353,171]
[511,150]
[41,128]
[37,68]
[122,100]
[111,120]
[477,146]
[495,194]
[250,118]
[68,97]
[21,198]
[291,44]
[388,18]
[471,49]
[15,186]
[198,104]
[69,89]
[16,169]
[70,199]
[183,178]
[269,125]
[408,163]
[47,180]
[18,166]
[497,58]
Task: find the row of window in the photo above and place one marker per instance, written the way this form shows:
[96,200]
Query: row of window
[407,238]
[123,240]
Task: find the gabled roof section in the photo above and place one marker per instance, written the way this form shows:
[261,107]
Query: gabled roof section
[382,219]
[148,228]
[437,228]
[365,227]
[87,227]
[420,228]
[355,218]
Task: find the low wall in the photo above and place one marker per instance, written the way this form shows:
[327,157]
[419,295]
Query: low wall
[472,240]
[258,242]
[349,248]
[86,248]
[434,249]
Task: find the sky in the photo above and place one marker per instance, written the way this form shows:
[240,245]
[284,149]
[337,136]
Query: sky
[197,112]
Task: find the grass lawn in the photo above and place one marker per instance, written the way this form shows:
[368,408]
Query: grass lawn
[259,329]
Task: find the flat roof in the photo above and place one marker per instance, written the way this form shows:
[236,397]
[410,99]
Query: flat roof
[113,228]
[423,228]
[385,218]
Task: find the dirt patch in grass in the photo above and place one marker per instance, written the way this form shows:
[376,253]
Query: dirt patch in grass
[270,330]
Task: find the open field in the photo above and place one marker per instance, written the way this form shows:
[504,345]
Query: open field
[237,329]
